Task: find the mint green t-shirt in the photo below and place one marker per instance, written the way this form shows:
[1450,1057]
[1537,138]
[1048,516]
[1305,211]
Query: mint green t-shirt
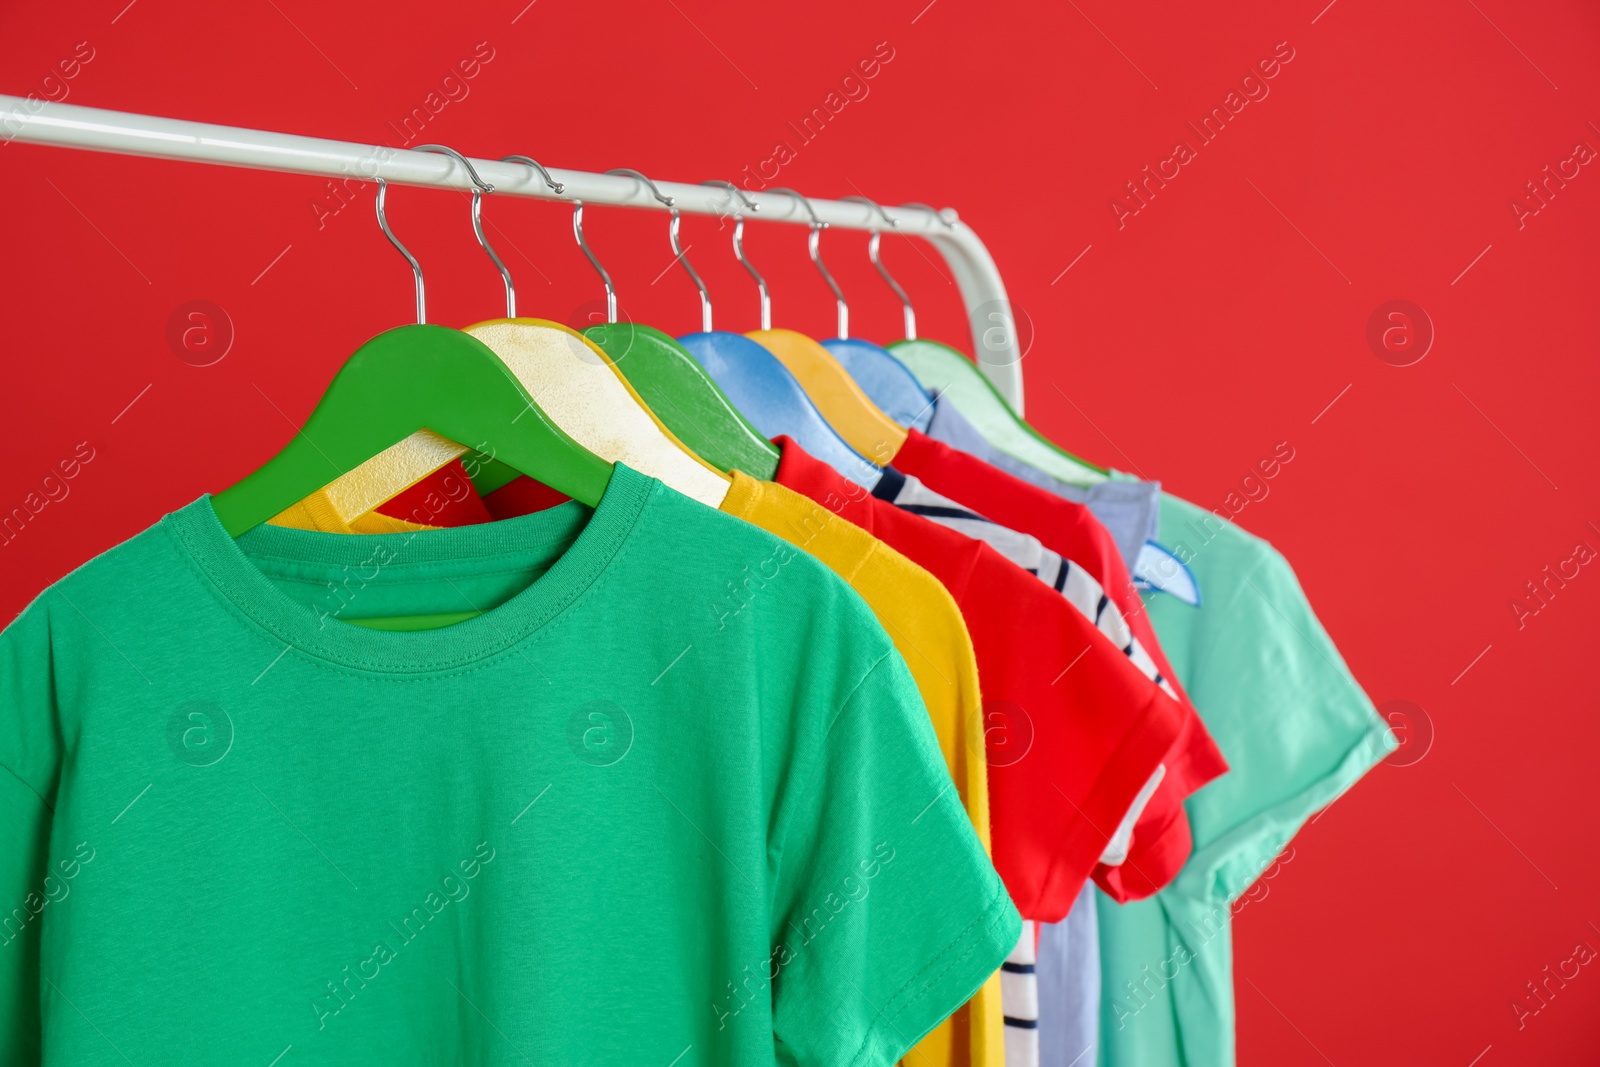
[1296,730]
[672,799]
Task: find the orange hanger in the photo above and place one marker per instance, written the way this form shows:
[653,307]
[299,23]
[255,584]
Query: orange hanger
[848,410]
[851,412]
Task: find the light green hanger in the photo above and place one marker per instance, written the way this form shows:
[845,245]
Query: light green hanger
[682,395]
[943,370]
[404,381]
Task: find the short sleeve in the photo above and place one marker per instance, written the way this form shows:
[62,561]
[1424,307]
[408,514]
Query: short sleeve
[1297,729]
[1073,731]
[25,699]
[887,915]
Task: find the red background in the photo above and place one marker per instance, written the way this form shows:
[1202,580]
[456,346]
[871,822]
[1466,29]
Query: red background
[1220,320]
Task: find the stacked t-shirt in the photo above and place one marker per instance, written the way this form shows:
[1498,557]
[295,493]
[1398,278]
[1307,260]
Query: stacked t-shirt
[1068,974]
[238,828]
[1068,959]
[1298,732]
[1085,591]
[1081,588]
[1073,729]
[1161,837]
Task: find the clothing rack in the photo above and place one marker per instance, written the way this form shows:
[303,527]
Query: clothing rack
[71,126]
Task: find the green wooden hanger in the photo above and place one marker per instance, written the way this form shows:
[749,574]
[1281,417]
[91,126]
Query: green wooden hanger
[682,395]
[403,381]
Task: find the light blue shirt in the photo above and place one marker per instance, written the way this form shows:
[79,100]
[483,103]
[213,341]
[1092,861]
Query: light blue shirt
[1129,510]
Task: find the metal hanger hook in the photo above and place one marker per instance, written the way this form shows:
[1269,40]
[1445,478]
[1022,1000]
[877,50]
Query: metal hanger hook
[555,187]
[677,247]
[873,244]
[814,246]
[416,268]
[935,212]
[738,249]
[751,205]
[594,261]
[479,187]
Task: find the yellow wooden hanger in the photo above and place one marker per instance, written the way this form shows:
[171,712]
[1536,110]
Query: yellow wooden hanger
[849,410]
[569,377]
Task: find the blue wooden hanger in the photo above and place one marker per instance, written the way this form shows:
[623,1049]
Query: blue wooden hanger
[765,391]
[882,377]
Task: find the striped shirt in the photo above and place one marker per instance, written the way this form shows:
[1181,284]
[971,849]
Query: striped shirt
[1019,998]
[1075,583]
[1019,988]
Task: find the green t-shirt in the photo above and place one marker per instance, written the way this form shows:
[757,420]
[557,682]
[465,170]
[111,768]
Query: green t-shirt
[672,799]
[1296,730]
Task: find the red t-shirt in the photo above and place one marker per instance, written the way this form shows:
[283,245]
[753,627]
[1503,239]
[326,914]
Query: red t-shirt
[1161,839]
[444,498]
[520,496]
[1073,729]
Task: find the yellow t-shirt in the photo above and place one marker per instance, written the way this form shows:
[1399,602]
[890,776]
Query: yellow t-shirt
[927,630]
[316,512]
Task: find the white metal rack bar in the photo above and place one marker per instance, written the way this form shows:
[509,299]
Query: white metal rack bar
[71,126]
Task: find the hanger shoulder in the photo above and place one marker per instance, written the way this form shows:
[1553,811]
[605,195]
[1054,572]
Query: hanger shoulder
[943,370]
[885,380]
[686,398]
[855,417]
[764,390]
[578,387]
[404,380]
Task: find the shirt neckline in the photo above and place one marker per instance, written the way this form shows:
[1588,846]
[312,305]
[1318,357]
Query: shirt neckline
[846,546]
[744,495]
[800,471]
[595,537]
